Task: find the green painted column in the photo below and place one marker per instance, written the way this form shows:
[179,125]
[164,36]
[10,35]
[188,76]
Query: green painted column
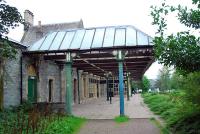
[68,68]
[68,104]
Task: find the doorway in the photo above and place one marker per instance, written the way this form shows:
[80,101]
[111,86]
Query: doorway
[32,89]
[75,89]
[50,90]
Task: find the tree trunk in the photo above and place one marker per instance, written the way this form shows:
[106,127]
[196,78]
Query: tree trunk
[1,85]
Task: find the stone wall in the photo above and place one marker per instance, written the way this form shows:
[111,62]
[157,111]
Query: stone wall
[49,70]
[12,81]
[46,70]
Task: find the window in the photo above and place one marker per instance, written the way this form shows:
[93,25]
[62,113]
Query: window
[50,90]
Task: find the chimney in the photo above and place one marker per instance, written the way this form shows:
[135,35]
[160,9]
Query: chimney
[39,23]
[28,17]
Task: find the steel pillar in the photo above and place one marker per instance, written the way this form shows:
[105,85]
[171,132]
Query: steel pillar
[121,87]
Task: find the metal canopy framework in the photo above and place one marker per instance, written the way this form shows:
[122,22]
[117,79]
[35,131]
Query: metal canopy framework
[94,48]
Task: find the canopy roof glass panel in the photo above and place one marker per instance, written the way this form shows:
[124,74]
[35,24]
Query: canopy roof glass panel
[92,38]
[120,37]
[98,38]
[65,44]
[58,38]
[87,40]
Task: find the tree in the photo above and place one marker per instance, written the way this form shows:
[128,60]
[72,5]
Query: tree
[181,50]
[9,18]
[163,81]
[145,84]
[177,80]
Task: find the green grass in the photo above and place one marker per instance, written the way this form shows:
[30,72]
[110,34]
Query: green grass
[163,130]
[53,124]
[121,119]
[65,125]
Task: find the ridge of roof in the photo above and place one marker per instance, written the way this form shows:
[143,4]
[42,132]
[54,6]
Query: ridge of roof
[112,26]
[56,24]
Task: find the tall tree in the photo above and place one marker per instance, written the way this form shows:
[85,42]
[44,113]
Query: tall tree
[163,80]
[9,18]
[182,49]
[145,84]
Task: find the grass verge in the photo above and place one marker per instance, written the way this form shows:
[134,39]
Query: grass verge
[181,117]
[163,130]
[21,123]
[65,125]
[121,119]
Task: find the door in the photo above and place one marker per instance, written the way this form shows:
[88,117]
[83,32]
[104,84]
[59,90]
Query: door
[32,89]
[75,88]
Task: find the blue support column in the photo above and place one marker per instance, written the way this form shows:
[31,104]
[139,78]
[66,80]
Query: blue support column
[121,87]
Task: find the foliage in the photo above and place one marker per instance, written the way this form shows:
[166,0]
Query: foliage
[121,119]
[65,125]
[9,18]
[191,87]
[176,80]
[145,84]
[181,49]
[163,129]
[163,80]
[180,116]
[6,49]
[27,119]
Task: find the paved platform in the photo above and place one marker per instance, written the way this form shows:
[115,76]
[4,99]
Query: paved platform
[133,126]
[101,113]
[101,109]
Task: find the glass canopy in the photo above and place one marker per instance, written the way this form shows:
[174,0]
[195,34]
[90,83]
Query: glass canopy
[92,38]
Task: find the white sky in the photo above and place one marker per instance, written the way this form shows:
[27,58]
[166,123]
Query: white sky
[96,13]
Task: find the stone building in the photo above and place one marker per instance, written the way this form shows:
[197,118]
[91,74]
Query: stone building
[42,80]
[67,63]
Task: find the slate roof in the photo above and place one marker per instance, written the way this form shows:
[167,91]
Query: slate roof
[34,33]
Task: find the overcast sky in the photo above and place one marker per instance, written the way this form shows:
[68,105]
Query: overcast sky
[96,13]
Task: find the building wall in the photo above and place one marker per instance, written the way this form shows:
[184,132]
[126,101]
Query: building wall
[49,70]
[46,70]
[11,86]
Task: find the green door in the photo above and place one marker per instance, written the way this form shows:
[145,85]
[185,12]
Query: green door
[32,89]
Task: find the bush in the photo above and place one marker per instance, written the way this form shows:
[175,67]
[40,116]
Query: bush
[181,116]
[27,119]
